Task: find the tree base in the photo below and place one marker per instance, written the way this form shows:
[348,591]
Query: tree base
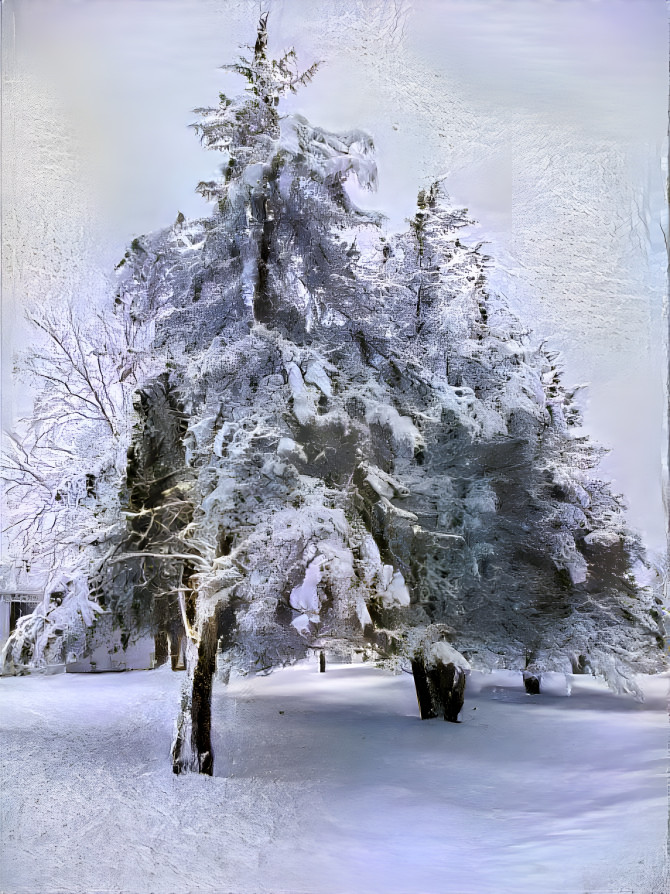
[531,683]
[440,690]
[192,749]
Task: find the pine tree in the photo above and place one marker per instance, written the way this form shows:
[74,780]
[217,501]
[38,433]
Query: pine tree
[343,440]
[354,443]
[541,572]
[238,481]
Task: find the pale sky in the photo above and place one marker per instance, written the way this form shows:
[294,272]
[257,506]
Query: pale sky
[548,118]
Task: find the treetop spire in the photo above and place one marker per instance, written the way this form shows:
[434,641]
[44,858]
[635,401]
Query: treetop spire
[269,79]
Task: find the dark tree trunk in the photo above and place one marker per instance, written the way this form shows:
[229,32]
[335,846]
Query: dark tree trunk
[439,690]
[449,680]
[201,710]
[423,693]
[531,682]
[580,665]
[160,648]
[169,643]
[322,662]
[192,749]
[157,497]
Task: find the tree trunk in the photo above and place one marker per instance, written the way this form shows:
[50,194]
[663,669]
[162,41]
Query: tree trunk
[439,689]
[322,662]
[176,639]
[450,684]
[160,648]
[192,749]
[581,665]
[531,682]
[423,694]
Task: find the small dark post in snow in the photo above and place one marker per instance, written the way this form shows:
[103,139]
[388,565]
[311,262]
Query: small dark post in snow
[531,682]
[322,662]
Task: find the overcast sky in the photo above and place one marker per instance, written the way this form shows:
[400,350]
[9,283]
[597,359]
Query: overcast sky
[548,118]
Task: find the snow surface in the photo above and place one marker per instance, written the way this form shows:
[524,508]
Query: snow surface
[330,783]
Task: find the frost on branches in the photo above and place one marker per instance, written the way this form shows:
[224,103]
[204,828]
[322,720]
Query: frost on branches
[351,443]
[57,629]
[63,466]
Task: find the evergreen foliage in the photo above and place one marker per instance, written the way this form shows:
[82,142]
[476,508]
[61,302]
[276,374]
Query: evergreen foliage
[348,442]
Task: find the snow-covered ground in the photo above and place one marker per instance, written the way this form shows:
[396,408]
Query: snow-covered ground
[331,783]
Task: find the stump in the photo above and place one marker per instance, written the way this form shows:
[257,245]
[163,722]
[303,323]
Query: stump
[440,689]
[450,684]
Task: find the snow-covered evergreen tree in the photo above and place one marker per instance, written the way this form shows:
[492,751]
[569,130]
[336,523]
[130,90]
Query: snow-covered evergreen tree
[351,443]
[239,483]
[354,441]
[540,571]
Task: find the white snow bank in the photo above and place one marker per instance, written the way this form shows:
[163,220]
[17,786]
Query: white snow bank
[316,375]
[382,483]
[289,448]
[304,408]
